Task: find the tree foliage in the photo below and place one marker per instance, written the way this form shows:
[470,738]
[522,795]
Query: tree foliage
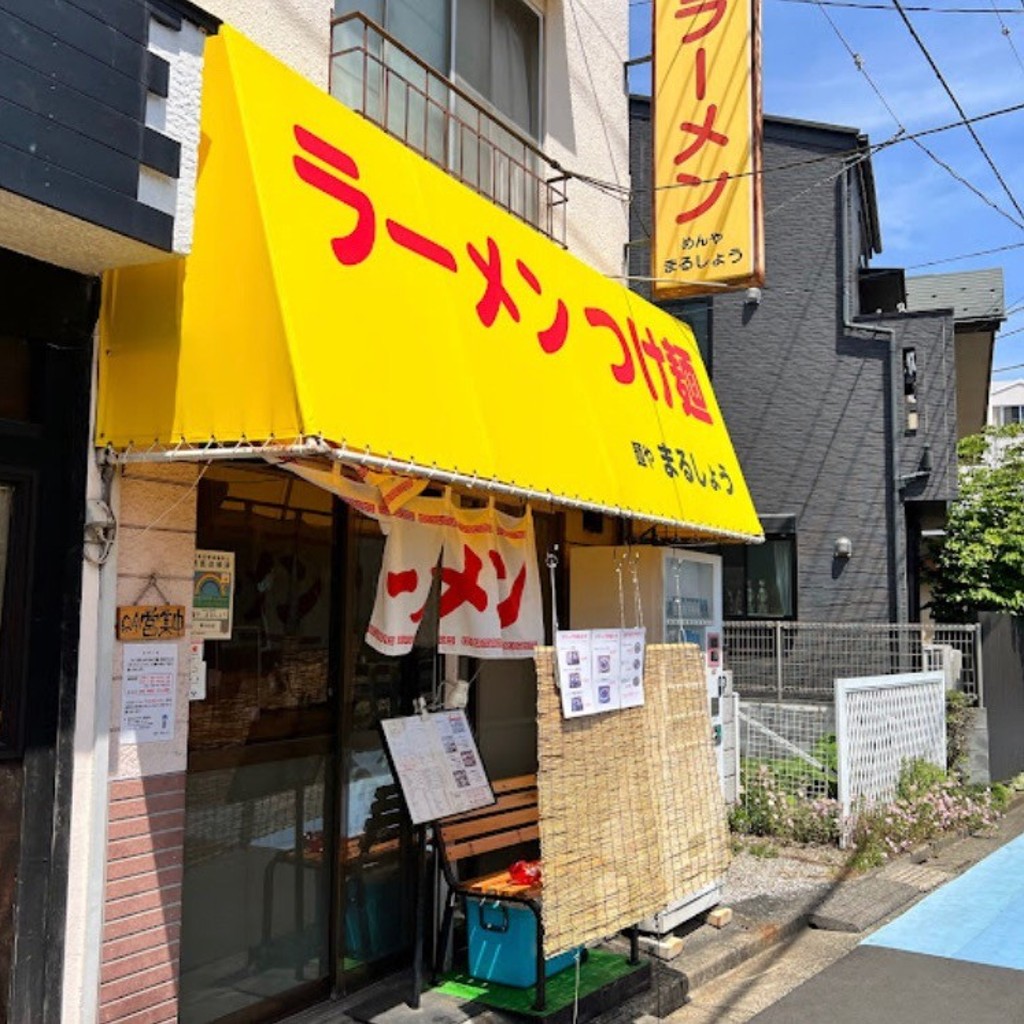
[981,564]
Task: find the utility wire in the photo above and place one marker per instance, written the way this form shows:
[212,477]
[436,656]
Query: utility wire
[858,62]
[917,8]
[1007,334]
[959,108]
[965,256]
[1005,30]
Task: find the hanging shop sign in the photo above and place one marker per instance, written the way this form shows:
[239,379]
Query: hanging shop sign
[708,227]
[361,296]
[474,570]
[213,591]
[150,622]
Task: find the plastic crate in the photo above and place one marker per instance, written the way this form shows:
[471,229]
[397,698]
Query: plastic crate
[503,944]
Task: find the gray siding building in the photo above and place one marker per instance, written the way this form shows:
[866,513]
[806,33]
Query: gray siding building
[842,405]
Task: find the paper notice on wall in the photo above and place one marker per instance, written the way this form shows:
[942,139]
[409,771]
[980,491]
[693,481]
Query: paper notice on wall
[148,692]
[196,671]
[575,680]
[605,653]
[631,667]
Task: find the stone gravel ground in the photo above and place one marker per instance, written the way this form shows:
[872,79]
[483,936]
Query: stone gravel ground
[792,870]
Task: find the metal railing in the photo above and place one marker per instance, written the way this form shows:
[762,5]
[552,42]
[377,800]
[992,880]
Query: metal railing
[800,661]
[374,74]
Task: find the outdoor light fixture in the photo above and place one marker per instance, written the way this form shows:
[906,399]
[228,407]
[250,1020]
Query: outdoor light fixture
[753,296]
[843,548]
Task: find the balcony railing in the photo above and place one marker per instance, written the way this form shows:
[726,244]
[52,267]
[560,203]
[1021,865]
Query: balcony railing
[374,74]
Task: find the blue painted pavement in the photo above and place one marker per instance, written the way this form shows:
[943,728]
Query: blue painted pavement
[977,918]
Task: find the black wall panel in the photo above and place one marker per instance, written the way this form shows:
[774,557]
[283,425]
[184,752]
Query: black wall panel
[74,75]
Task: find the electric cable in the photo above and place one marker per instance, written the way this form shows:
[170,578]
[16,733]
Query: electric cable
[1005,30]
[965,256]
[959,108]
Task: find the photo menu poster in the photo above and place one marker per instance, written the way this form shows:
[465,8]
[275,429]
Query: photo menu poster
[605,650]
[572,648]
[600,670]
[631,667]
[437,764]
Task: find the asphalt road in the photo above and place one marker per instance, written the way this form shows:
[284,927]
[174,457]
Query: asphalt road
[956,956]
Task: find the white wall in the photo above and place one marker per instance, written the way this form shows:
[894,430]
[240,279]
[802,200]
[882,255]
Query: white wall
[1004,392]
[295,31]
[587,120]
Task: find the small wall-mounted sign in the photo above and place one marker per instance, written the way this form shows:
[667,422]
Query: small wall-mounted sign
[150,621]
[212,595]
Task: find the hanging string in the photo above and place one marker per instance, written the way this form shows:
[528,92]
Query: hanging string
[622,599]
[636,589]
[551,561]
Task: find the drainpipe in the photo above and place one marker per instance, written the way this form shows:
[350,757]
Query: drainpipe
[898,598]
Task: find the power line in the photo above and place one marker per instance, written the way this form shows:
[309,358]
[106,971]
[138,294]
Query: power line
[916,8]
[1007,334]
[924,9]
[966,256]
[1005,30]
[858,62]
[899,137]
[959,108]
[1003,369]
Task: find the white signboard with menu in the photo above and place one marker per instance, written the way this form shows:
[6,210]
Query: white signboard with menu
[437,764]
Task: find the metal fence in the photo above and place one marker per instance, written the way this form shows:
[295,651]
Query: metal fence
[800,661]
[795,741]
[881,725]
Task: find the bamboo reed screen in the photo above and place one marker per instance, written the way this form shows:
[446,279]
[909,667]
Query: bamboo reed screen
[631,810]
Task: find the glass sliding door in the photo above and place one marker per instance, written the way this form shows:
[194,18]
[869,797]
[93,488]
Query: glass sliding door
[260,786]
[375,910]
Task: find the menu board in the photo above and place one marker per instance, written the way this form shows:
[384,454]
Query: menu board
[437,764]
[600,670]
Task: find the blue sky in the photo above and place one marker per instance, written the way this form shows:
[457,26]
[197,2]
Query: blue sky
[925,213]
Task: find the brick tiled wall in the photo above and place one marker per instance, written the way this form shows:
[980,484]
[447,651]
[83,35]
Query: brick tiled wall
[146,819]
[139,973]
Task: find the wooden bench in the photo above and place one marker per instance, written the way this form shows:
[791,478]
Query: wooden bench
[506,824]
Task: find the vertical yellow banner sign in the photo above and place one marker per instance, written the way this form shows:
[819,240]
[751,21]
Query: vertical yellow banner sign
[708,230]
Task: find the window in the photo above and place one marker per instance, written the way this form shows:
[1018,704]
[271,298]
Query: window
[759,581]
[1009,414]
[497,46]
[420,25]
[910,387]
[497,53]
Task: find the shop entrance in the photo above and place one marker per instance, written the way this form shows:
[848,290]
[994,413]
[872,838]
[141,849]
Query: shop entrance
[298,860]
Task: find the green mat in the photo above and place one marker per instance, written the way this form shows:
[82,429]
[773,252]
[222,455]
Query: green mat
[600,969]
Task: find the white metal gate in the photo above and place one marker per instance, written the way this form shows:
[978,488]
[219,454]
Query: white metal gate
[882,722]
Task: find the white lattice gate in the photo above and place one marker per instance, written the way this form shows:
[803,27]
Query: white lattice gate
[882,722]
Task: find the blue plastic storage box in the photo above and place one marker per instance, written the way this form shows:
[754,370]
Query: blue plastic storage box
[503,944]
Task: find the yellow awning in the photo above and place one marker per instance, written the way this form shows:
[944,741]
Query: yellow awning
[341,287]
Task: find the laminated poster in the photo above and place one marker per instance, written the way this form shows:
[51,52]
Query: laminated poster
[631,664]
[572,648]
[605,653]
[437,764]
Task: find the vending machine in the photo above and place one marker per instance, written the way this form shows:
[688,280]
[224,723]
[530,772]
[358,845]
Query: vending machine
[676,595]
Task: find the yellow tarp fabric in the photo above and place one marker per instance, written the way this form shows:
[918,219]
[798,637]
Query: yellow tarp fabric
[342,286]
